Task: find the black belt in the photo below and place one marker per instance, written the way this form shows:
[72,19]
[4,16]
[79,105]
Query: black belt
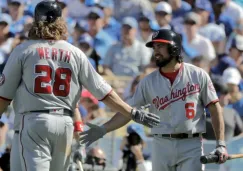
[66,112]
[16,131]
[179,136]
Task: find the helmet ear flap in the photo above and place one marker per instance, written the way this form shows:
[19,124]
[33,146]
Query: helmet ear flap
[173,50]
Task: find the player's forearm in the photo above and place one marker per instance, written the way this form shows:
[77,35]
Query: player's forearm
[117,104]
[116,122]
[76,115]
[217,121]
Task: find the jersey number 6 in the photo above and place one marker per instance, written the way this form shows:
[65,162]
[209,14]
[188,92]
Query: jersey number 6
[190,112]
[61,82]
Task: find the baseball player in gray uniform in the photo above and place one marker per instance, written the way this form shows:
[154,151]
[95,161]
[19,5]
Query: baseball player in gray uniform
[178,92]
[44,77]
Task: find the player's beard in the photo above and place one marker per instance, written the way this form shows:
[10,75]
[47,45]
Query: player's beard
[161,63]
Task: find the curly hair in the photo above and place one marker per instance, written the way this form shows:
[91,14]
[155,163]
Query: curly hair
[49,31]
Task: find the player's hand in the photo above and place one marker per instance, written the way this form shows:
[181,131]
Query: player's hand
[93,134]
[143,117]
[221,151]
[80,154]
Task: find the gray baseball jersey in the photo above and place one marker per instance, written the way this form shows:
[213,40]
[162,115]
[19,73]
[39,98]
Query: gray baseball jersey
[43,74]
[181,106]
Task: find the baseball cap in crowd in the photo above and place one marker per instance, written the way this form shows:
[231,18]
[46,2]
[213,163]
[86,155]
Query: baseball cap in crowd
[192,18]
[83,25]
[203,5]
[87,94]
[138,129]
[130,21]
[86,38]
[106,4]
[95,13]
[231,76]
[238,42]
[218,1]
[17,2]
[5,19]
[90,3]
[163,7]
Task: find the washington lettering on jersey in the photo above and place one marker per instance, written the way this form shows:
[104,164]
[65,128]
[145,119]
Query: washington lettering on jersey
[162,102]
[54,54]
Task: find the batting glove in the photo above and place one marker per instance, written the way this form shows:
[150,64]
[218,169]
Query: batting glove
[93,134]
[80,154]
[145,118]
[222,153]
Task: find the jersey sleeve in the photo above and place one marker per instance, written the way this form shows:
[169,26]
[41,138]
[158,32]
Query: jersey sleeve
[138,99]
[208,92]
[92,81]
[11,76]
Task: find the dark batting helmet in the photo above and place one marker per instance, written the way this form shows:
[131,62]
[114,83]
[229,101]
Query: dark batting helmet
[48,11]
[172,38]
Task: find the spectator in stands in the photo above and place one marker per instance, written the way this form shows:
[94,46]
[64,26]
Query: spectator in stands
[70,22]
[94,108]
[215,33]
[232,77]
[86,44]
[102,40]
[219,7]
[111,25]
[133,86]
[232,10]
[194,41]
[80,28]
[6,38]
[96,157]
[163,14]
[200,62]
[232,120]
[236,52]
[179,9]
[147,25]
[238,31]
[77,9]
[132,147]
[131,8]
[16,11]
[128,57]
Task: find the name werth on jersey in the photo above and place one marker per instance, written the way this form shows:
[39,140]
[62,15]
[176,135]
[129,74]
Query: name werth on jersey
[175,95]
[54,54]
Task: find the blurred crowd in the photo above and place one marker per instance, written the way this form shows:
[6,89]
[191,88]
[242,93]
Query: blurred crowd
[113,33]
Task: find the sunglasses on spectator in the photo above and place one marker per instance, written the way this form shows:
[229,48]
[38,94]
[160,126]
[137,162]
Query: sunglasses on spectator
[189,22]
[161,13]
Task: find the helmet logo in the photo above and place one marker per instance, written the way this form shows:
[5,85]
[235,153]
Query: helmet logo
[155,34]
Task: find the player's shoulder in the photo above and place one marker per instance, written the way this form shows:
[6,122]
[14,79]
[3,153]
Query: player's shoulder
[191,69]
[151,76]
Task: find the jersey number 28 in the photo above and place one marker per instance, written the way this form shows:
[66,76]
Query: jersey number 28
[61,82]
[190,112]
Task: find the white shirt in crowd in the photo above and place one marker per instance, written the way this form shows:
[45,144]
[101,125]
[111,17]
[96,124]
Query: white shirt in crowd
[234,11]
[203,46]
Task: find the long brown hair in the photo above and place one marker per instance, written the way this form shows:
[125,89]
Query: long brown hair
[49,31]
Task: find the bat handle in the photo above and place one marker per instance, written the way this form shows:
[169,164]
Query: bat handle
[212,158]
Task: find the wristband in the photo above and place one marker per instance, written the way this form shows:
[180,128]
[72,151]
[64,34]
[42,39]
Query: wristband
[220,143]
[78,126]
